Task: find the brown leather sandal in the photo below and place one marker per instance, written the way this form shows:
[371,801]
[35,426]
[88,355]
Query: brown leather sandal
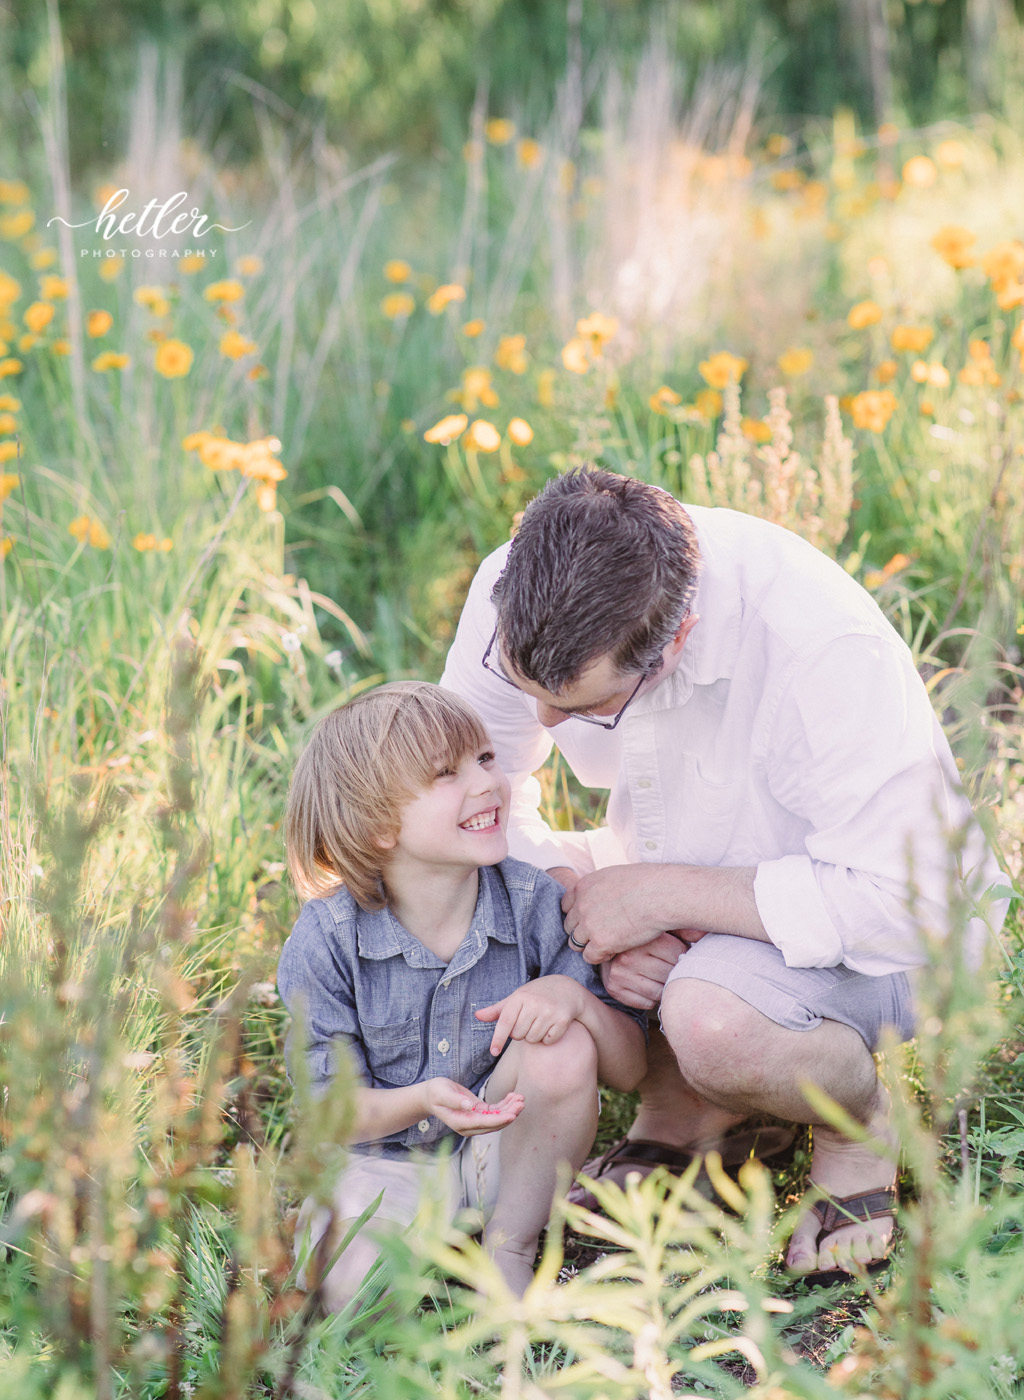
[835,1212]
[643,1156]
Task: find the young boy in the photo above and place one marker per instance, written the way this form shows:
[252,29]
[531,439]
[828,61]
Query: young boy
[444,968]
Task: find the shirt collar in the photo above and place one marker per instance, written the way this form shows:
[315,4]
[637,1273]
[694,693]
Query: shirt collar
[711,649]
[379,935]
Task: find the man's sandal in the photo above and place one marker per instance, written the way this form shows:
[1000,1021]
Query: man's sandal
[834,1213]
[642,1156]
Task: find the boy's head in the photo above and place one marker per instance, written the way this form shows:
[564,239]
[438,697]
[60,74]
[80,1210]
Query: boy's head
[362,765]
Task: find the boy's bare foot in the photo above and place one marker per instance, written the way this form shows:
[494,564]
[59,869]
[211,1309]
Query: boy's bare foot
[844,1168]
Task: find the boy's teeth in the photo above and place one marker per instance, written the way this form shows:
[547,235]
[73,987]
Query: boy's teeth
[479,822]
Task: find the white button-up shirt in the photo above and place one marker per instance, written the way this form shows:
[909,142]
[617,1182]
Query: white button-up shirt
[795,736]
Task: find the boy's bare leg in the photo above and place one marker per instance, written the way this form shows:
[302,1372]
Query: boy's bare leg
[744,1062]
[557,1125]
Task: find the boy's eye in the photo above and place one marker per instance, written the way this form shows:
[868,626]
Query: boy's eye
[486,757]
[444,773]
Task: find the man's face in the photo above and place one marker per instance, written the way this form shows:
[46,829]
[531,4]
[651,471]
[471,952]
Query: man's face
[600,690]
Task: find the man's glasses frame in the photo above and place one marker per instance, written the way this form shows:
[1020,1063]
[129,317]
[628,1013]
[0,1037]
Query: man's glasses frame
[586,719]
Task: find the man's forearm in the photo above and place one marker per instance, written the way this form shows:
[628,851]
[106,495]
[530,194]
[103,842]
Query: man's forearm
[710,898]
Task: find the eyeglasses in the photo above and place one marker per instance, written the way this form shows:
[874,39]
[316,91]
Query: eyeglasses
[587,719]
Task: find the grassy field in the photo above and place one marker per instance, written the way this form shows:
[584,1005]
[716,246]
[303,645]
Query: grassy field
[236,489]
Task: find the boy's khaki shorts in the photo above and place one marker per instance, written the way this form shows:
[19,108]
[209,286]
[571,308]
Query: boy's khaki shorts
[465,1181]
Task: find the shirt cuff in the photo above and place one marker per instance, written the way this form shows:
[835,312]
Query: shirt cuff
[794,913]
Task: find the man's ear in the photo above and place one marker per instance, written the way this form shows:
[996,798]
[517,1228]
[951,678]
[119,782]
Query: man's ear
[687,625]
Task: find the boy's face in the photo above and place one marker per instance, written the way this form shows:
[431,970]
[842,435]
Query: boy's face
[458,821]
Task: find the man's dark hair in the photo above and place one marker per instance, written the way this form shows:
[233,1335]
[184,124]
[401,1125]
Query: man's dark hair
[601,565]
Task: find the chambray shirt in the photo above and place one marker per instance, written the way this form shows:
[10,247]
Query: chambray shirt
[357,978]
[795,736]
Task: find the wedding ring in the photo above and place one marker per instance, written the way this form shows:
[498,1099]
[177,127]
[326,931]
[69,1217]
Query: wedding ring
[576,942]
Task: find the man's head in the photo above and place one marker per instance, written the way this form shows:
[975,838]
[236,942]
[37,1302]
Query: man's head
[364,763]
[602,567]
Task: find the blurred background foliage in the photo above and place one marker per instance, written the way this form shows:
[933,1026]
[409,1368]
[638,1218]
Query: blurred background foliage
[401,74]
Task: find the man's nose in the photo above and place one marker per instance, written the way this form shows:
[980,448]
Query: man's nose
[549,716]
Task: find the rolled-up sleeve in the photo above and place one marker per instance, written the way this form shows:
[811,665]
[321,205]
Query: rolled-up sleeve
[858,754]
[318,993]
[521,743]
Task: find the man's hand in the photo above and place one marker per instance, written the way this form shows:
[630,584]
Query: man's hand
[540,1012]
[610,910]
[463,1112]
[637,976]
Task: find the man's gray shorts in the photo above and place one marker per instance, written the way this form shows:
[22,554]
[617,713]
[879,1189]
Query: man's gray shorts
[800,998]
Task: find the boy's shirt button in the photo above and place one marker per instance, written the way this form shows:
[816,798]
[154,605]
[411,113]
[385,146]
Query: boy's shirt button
[447,982]
[443,1046]
[423,1124]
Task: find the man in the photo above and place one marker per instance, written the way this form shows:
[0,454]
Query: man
[782,814]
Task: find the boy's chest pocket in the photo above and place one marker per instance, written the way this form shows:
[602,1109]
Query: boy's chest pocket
[394,1054]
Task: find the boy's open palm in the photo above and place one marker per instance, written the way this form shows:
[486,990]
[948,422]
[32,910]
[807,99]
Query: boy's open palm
[540,1012]
[465,1113]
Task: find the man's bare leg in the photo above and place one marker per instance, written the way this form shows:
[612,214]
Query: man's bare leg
[745,1063]
[670,1110]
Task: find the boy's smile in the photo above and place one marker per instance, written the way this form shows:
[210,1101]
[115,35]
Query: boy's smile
[456,824]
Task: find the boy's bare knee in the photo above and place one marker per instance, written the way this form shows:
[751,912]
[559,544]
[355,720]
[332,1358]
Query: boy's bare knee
[565,1066]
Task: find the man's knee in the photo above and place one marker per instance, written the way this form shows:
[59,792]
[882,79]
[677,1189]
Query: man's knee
[717,1038]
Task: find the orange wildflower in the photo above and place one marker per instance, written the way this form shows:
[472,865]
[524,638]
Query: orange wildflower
[873,408]
[934,373]
[398,306]
[53,288]
[234,345]
[887,371]
[473,328]
[720,369]
[511,354]
[97,323]
[914,338]
[708,403]
[447,429]
[520,432]
[173,359]
[863,314]
[574,355]
[249,265]
[228,290]
[795,361]
[920,172]
[952,242]
[397,270]
[482,436]
[8,451]
[88,530]
[499,131]
[9,481]
[38,316]
[444,296]
[529,153]
[755,430]
[111,359]
[663,399]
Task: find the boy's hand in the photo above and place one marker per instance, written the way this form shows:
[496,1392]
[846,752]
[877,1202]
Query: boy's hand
[467,1114]
[540,1012]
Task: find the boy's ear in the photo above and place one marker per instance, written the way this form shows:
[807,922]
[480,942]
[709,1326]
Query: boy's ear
[385,843]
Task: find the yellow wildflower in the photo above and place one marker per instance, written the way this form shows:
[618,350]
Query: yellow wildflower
[444,296]
[14,226]
[233,345]
[8,423]
[926,408]
[863,314]
[220,454]
[919,172]
[397,306]
[472,329]
[951,153]
[447,429]
[53,288]
[266,496]
[97,323]
[511,354]
[499,131]
[397,270]
[111,359]
[191,263]
[173,359]
[38,316]
[482,436]
[1004,263]
[790,179]
[153,297]
[10,366]
[708,403]
[980,369]
[27,342]
[546,388]
[597,330]
[44,258]
[520,432]
[873,408]
[9,404]
[8,450]
[229,290]
[913,338]
[755,430]
[663,399]
[112,268]
[143,542]
[61,347]
[249,265]
[1016,340]
[260,461]
[933,373]
[887,371]
[574,355]
[951,243]
[10,290]
[6,545]
[721,368]
[477,388]
[14,192]
[795,361]
[87,530]
[9,481]
[529,153]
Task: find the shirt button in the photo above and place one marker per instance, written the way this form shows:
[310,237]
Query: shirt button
[651,845]
[423,1124]
[443,1046]
[644,783]
[447,982]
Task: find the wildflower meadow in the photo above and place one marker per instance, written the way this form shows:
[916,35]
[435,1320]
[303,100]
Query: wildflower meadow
[253,444]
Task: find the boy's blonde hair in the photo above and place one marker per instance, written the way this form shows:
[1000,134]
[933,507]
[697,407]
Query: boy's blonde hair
[363,763]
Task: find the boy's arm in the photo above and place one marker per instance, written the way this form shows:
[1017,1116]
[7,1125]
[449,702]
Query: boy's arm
[541,1011]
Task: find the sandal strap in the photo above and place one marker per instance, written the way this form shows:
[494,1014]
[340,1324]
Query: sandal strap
[867,1205]
[639,1152]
